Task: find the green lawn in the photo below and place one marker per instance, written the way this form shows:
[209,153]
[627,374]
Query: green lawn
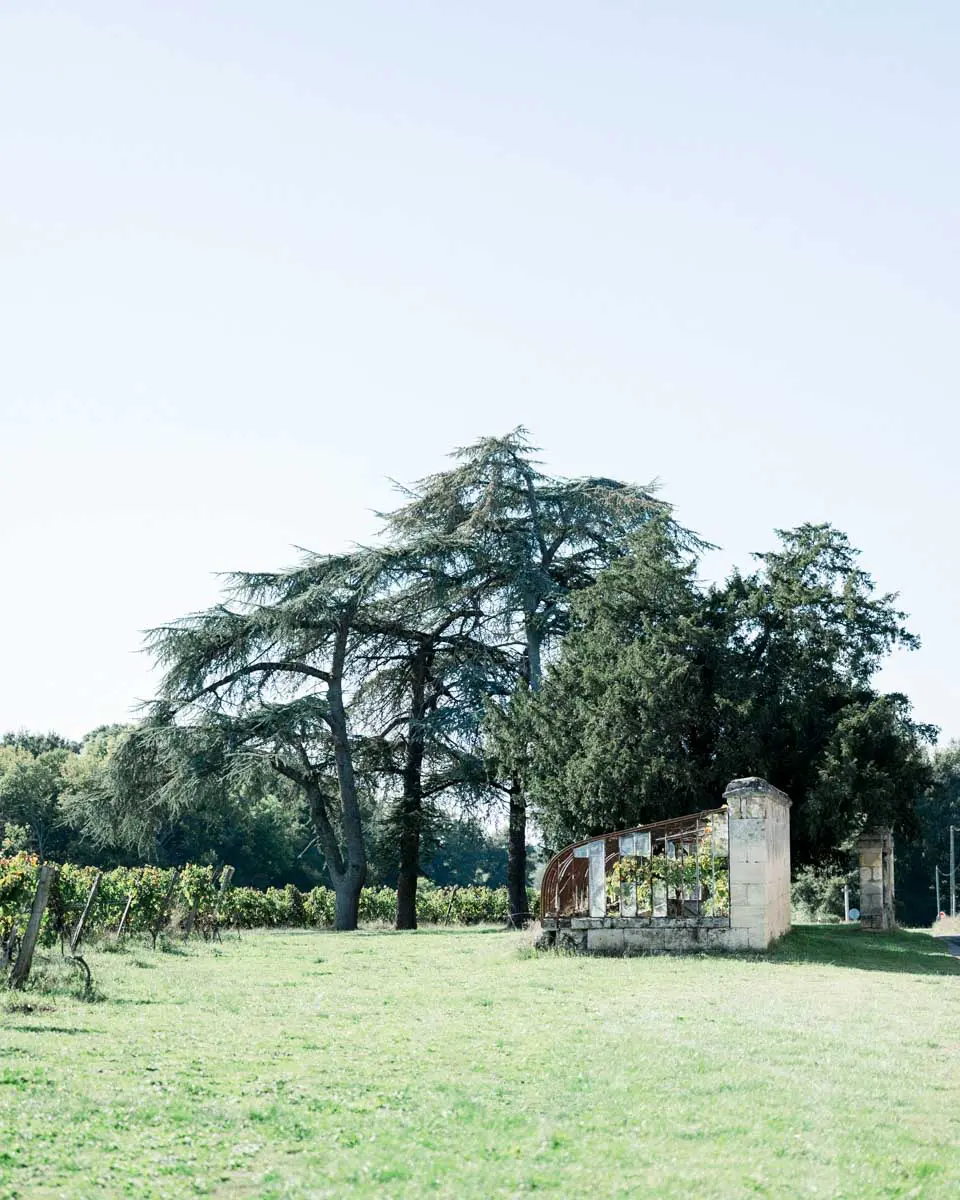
[460,1063]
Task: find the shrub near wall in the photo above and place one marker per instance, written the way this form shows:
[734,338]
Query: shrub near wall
[241,908]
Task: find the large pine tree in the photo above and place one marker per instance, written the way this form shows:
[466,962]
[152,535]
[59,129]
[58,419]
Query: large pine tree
[529,541]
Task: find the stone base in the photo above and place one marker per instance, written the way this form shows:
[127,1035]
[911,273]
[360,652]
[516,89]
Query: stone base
[678,937]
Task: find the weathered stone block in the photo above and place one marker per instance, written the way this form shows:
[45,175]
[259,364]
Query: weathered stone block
[746,832]
[737,939]
[605,941]
[571,939]
[756,894]
[748,872]
[738,894]
[750,917]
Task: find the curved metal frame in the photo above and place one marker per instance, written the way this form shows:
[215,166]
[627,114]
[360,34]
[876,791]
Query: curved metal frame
[565,890]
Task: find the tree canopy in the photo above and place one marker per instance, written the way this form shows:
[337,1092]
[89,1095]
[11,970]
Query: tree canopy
[665,690]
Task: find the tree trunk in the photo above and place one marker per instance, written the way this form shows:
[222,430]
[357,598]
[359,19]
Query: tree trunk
[517,832]
[346,874]
[410,824]
[533,669]
[347,885]
[346,895]
[411,803]
[517,858]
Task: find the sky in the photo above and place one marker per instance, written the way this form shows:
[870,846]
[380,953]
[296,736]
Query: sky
[257,260]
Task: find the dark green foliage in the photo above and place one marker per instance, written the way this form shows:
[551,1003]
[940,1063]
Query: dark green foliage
[805,636]
[620,731]
[530,541]
[265,681]
[664,691]
[71,805]
[462,852]
[937,808]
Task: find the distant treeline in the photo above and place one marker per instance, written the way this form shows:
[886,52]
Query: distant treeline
[49,785]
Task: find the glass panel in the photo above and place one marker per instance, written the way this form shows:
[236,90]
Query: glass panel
[598,878]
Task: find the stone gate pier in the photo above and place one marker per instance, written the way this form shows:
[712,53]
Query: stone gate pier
[875,848]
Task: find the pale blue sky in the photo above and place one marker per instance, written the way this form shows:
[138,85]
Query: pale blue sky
[255,258]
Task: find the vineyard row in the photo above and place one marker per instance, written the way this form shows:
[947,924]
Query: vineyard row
[146,899]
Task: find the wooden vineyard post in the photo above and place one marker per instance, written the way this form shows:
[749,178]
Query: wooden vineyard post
[226,879]
[21,968]
[78,932]
[126,911]
[123,919]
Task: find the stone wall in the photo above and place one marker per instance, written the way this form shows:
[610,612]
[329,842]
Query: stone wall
[758,817]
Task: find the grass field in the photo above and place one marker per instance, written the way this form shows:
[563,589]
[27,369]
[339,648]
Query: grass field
[461,1063]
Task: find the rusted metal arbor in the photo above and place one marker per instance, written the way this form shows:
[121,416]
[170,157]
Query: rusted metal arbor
[674,870]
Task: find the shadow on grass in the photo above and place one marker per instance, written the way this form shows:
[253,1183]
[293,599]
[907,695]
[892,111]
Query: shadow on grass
[439,930]
[67,1030]
[908,952]
[370,930]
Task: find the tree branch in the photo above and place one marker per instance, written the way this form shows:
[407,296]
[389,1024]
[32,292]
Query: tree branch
[296,668]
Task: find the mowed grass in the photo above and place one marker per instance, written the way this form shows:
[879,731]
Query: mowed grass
[460,1063]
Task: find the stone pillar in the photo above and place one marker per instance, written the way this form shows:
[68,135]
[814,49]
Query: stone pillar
[875,848]
[759,831]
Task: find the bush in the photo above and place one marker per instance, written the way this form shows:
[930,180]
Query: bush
[318,907]
[18,882]
[817,895]
[378,904]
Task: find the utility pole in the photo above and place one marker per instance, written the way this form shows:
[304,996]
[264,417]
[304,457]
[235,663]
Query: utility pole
[953,874]
[936,884]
